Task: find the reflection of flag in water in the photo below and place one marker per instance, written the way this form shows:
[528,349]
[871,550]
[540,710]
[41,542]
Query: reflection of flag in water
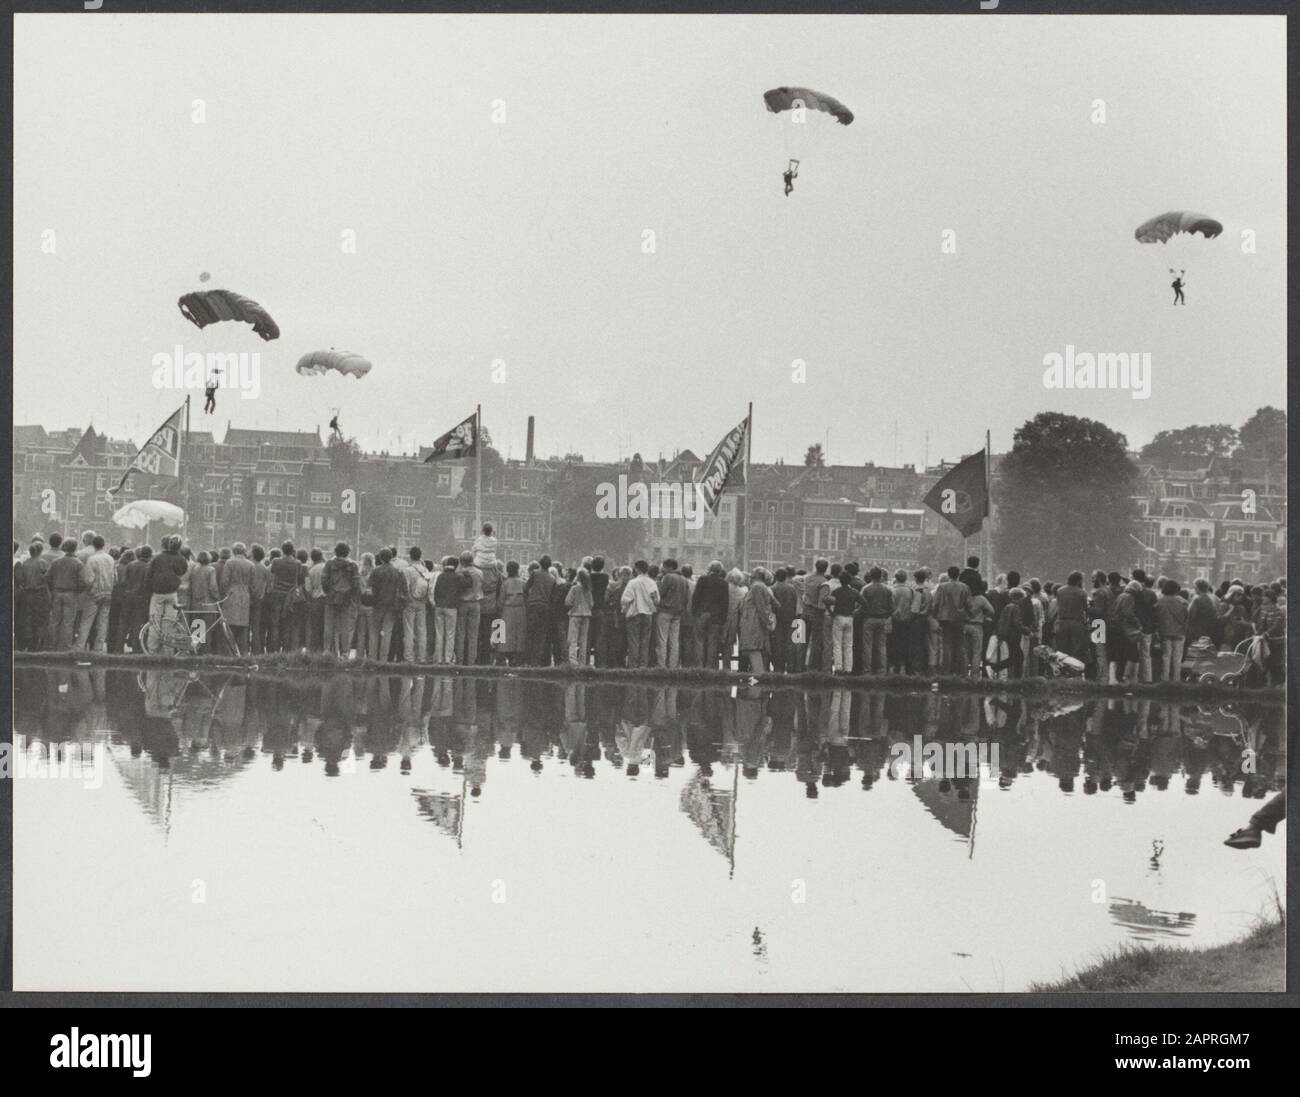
[713,811]
[441,808]
[949,807]
[460,441]
[962,496]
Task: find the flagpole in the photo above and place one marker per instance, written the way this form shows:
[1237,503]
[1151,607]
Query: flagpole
[478,469]
[988,496]
[180,478]
[749,437]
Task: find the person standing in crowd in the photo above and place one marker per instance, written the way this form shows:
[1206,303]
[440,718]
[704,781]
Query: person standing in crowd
[674,596]
[467,617]
[922,642]
[1100,611]
[952,611]
[709,607]
[512,646]
[279,607]
[817,597]
[300,606]
[843,605]
[257,597]
[313,584]
[735,592]
[559,615]
[578,604]
[32,607]
[1202,615]
[1171,624]
[1269,621]
[976,632]
[1130,629]
[970,575]
[785,607]
[1012,631]
[204,595]
[1071,628]
[616,632]
[163,581]
[899,645]
[415,640]
[66,581]
[757,619]
[237,579]
[137,595]
[100,575]
[639,602]
[85,600]
[537,604]
[689,657]
[341,582]
[388,588]
[599,616]
[1145,607]
[365,606]
[447,590]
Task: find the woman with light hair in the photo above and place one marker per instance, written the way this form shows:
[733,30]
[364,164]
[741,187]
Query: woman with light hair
[756,620]
[736,590]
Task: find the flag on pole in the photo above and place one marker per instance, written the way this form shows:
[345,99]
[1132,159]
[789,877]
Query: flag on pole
[722,462]
[962,496]
[460,441]
[161,455]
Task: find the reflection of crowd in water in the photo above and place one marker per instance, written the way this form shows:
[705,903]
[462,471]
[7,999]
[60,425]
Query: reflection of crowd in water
[827,738]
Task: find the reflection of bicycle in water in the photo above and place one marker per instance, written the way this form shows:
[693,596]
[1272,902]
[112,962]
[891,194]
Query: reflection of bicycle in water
[178,633]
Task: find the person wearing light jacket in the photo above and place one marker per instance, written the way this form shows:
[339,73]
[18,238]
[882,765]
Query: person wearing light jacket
[100,573]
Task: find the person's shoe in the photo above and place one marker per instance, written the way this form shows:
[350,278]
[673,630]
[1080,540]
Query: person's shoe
[1245,838]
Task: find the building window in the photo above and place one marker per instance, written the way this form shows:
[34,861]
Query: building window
[261,486]
[76,504]
[292,491]
[321,497]
[510,530]
[273,515]
[406,501]
[306,521]
[898,523]
[259,514]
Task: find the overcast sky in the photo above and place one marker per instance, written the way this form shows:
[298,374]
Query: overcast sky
[523,241]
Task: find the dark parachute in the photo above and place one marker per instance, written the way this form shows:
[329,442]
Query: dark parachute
[212,305]
[320,361]
[779,99]
[1159,229]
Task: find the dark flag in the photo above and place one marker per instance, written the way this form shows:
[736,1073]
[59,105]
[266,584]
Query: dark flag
[161,455]
[722,462]
[460,441]
[962,496]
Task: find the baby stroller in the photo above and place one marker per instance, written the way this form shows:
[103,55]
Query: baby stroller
[1204,663]
[1056,664]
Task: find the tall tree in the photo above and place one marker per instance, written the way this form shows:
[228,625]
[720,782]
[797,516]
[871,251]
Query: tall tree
[1064,498]
[1264,435]
[1190,447]
[577,528]
[815,457]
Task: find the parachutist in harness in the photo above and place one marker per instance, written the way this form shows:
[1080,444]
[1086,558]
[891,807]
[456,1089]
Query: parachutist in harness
[1178,289]
[789,175]
[210,391]
[334,425]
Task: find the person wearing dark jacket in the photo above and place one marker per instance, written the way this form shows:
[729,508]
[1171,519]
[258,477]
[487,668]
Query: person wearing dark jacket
[599,585]
[164,580]
[877,605]
[448,588]
[537,613]
[709,608]
[66,582]
[286,577]
[1072,617]
[137,595]
[786,607]
[388,586]
[1012,631]
[971,576]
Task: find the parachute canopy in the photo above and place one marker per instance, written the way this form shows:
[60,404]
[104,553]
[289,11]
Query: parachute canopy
[319,361]
[779,99]
[1160,229]
[138,514]
[210,305]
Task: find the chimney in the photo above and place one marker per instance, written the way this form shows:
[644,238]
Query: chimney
[528,452]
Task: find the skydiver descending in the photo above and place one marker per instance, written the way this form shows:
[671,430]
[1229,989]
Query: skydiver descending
[210,391]
[789,176]
[1178,289]
[334,425]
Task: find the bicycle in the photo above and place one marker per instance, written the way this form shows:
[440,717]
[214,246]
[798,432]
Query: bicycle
[179,635]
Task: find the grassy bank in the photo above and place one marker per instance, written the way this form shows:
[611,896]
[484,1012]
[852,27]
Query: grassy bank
[297,663]
[1254,964]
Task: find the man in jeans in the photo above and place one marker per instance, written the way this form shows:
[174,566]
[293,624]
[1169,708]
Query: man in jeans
[877,602]
[816,596]
[468,614]
[1171,621]
[389,590]
[1145,608]
[673,594]
[415,640]
[639,602]
[537,613]
[100,574]
[952,611]
[709,608]
[66,582]
[341,582]
[447,589]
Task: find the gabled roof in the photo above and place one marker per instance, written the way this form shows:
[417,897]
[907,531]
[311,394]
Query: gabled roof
[1230,511]
[1164,508]
[25,436]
